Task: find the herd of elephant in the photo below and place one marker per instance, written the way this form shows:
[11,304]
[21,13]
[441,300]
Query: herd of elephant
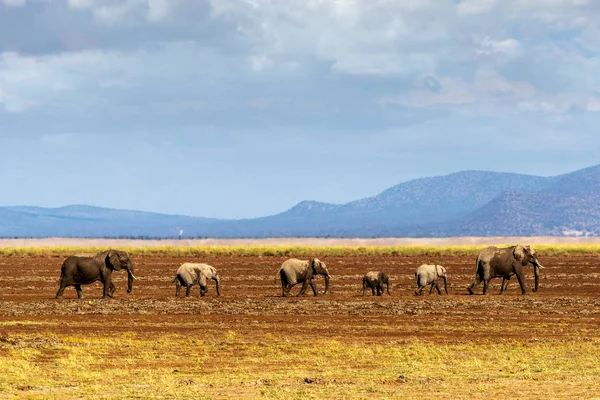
[492,262]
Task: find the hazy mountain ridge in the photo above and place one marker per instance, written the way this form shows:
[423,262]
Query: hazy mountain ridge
[466,203]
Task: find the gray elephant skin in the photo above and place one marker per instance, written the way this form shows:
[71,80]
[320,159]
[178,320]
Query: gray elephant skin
[77,271]
[376,280]
[494,262]
[294,271]
[190,274]
[429,274]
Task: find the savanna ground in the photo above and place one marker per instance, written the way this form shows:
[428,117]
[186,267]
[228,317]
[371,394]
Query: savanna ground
[251,343]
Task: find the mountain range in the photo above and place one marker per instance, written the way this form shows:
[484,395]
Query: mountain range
[466,203]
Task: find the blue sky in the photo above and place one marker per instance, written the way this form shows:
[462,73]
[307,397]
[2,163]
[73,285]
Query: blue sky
[242,108]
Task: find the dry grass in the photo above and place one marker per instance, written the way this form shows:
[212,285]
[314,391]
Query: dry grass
[296,251]
[177,366]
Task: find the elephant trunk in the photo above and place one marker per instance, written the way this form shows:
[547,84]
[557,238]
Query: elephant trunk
[130,278]
[326,284]
[536,275]
[218,281]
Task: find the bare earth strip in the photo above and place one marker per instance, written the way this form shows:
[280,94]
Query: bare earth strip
[460,241]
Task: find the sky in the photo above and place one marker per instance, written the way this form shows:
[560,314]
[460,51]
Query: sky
[243,108]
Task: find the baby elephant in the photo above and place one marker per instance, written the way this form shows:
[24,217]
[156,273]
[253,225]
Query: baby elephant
[428,274]
[376,280]
[190,274]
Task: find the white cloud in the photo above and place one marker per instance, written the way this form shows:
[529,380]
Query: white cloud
[475,7]
[29,81]
[487,87]
[486,51]
[499,50]
[112,12]
[562,103]
[14,3]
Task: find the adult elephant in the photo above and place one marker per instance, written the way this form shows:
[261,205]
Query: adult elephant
[77,271]
[190,274]
[494,262]
[294,271]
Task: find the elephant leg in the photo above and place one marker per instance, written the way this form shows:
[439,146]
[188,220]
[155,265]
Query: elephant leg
[203,290]
[304,287]
[432,286]
[364,287]
[372,291]
[476,281]
[504,284]
[79,292]
[177,288]
[61,289]
[187,290]
[521,280]
[107,283]
[313,287]
[437,287]
[470,288]
[486,284]
[286,290]
[111,289]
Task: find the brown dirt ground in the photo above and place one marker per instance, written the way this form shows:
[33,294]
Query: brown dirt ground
[566,307]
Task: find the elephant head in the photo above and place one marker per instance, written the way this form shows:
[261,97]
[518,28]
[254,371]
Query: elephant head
[117,260]
[319,268]
[525,255]
[441,271]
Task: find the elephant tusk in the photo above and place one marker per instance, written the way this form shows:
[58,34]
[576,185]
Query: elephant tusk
[133,276]
[540,266]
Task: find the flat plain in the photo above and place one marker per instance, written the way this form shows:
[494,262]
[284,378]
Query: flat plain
[251,343]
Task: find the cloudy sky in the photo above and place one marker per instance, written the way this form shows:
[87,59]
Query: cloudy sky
[242,108]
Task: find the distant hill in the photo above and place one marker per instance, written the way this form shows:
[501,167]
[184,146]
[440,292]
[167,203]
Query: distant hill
[467,203]
[570,204]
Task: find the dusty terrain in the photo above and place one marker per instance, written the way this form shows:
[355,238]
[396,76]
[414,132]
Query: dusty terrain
[567,304]
[566,309]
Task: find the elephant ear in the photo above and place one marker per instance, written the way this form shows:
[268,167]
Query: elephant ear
[519,254]
[311,264]
[112,260]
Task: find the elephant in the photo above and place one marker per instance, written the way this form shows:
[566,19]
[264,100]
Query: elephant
[294,271]
[82,270]
[494,262]
[429,274]
[376,280]
[190,274]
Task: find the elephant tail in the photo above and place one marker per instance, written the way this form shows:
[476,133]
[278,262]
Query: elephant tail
[62,273]
[276,275]
[479,271]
